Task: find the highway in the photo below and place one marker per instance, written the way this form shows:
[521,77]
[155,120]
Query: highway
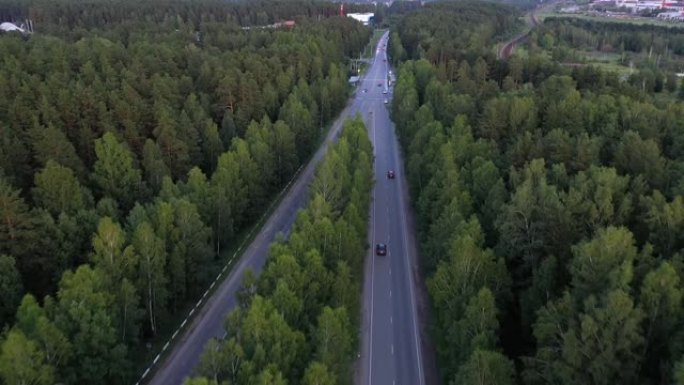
[392,349]
[208,322]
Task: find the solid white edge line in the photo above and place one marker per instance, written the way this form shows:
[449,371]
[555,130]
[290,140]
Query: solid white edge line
[409,271]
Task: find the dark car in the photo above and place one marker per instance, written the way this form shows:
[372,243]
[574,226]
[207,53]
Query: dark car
[381,249]
[390,174]
[380,84]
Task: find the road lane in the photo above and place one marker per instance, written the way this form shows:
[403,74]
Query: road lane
[208,323]
[391,351]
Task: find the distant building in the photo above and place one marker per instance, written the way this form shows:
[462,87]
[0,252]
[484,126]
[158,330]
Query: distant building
[364,18]
[286,24]
[354,80]
[675,15]
[640,5]
[11,27]
[280,24]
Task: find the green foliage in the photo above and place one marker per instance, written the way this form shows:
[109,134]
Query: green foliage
[21,362]
[548,200]
[486,368]
[162,129]
[297,321]
[10,288]
[114,172]
[58,191]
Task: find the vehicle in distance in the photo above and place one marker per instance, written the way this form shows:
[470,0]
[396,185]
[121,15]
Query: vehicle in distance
[386,101]
[384,91]
[380,84]
[390,174]
[381,249]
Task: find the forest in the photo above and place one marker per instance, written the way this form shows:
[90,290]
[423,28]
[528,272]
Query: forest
[298,322]
[549,208]
[138,143]
[649,55]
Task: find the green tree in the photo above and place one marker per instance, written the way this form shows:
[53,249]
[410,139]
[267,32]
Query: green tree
[295,114]
[50,143]
[603,263]
[637,156]
[153,165]
[534,224]
[114,172]
[486,367]
[151,280]
[15,220]
[230,199]
[11,288]
[598,345]
[85,315]
[334,336]
[21,362]
[33,321]
[118,262]
[478,328]
[57,190]
[318,374]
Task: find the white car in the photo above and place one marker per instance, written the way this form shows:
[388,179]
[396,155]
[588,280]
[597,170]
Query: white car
[386,101]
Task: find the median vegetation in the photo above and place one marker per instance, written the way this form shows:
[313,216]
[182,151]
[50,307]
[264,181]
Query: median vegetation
[549,206]
[297,323]
[128,165]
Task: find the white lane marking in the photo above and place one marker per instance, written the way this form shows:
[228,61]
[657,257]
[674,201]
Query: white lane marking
[370,354]
[392,349]
[409,272]
[390,293]
[391,320]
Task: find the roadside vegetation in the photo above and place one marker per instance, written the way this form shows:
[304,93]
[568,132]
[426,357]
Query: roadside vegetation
[298,322]
[549,205]
[137,139]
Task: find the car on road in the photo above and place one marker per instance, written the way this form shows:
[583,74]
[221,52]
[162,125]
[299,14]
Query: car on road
[365,90]
[384,91]
[390,174]
[380,84]
[386,101]
[381,249]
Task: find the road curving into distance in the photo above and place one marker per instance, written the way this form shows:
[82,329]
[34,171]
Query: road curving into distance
[391,347]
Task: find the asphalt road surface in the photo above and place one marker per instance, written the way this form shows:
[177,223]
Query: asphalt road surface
[391,351]
[208,323]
